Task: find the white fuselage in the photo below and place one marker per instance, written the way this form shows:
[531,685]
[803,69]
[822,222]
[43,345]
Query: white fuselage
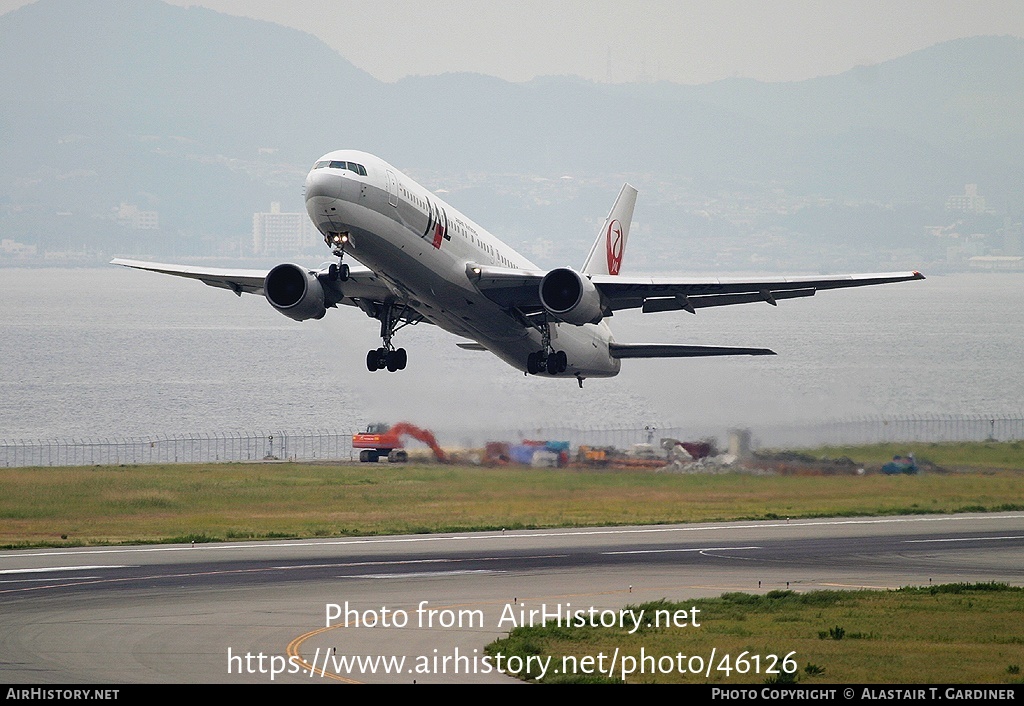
[422,247]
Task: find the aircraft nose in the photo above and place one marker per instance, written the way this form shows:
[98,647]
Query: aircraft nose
[321,182]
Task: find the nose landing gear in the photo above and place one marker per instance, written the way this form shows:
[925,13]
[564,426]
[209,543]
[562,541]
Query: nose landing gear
[339,272]
[337,241]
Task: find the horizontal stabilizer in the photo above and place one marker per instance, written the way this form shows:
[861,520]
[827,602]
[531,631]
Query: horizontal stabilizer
[677,350]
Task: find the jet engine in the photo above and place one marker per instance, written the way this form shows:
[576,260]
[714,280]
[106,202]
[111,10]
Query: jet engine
[571,297]
[295,292]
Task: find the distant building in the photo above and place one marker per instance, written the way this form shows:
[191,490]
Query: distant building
[996,262]
[130,216]
[277,233]
[14,249]
[970,202]
[1011,237]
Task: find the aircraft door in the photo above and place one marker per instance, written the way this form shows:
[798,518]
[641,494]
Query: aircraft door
[392,188]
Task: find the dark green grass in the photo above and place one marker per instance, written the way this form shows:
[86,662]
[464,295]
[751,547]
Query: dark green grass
[217,502]
[953,633]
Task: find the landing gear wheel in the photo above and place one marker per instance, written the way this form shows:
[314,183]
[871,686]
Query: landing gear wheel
[533,363]
[343,272]
[371,363]
[382,358]
[392,361]
[557,362]
[552,363]
[401,358]
[332,273]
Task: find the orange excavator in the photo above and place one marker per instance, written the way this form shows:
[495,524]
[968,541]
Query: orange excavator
[385,440]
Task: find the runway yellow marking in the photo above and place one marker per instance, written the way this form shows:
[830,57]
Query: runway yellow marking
[293,651]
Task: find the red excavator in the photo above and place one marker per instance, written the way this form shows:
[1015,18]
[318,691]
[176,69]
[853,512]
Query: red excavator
[385,440]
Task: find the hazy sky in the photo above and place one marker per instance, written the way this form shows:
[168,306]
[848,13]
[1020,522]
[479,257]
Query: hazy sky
[686,41]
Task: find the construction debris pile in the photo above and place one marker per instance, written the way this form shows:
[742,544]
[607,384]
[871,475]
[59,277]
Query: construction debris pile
[670,455]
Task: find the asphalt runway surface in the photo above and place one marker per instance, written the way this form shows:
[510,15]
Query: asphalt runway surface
[178,613]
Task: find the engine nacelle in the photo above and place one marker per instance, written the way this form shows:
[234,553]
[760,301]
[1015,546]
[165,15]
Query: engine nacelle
[571,297]
[295,292]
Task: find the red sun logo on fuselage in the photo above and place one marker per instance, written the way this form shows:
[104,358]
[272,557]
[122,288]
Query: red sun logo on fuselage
[614,247]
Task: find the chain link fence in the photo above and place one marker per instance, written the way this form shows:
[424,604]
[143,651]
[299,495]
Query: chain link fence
[323,445]
[854,431]
[180,448]
[877,430]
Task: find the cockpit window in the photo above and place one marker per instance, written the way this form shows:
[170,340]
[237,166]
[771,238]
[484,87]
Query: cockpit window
[338,164]
[351,166]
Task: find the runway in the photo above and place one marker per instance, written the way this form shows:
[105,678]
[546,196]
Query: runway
[178,613]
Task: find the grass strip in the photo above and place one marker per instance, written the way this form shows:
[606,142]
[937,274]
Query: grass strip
[221,502]
[951,633]
[972,456]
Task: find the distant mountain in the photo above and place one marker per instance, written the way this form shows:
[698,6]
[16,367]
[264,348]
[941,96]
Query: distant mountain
[207,117]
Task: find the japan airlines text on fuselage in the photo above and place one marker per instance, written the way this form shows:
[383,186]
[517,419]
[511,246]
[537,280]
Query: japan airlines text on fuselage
[422,246]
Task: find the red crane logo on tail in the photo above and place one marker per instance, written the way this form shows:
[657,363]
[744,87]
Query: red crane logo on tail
[614,247]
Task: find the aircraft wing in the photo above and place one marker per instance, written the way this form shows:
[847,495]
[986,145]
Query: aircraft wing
[238,281]
[520,289]
[668,294]
[363,288]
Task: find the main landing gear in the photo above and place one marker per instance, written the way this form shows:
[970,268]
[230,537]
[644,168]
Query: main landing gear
[547,359]
[554,362]
[381,358]
[387,356]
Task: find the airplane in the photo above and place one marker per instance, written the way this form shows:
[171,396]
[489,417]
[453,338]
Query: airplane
[424,261]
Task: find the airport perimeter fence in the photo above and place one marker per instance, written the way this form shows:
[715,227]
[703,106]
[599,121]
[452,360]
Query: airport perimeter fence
[324,445]
[879,430]
[845,432]
[180,448]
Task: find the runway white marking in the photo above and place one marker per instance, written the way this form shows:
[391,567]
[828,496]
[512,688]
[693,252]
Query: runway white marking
[957,539]
[669,551]
[337,565]
[58,568]
[423,574]
[59,578]
[509,535]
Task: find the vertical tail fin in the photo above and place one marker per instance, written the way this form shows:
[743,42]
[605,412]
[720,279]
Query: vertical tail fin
[605,257]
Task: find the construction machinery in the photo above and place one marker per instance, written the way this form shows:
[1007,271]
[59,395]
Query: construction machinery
[385,440]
